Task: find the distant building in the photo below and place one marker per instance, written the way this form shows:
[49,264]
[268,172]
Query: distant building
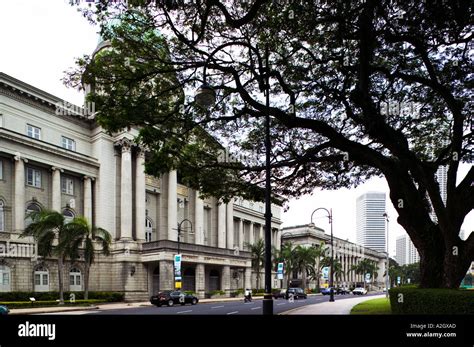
[406,251]
[442,179]
[371,221]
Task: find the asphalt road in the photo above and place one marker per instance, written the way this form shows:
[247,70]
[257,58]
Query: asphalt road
[223,308]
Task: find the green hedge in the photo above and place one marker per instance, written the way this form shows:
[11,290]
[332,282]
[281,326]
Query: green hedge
[431,301]
[53,296]
[47,303]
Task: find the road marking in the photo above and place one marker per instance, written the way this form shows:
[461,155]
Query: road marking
[185,311]
[234,312]
[283,303]
[255,308]
[248,303]
[217,306]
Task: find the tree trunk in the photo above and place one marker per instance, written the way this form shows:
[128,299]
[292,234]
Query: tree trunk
[60,279]
[86,280]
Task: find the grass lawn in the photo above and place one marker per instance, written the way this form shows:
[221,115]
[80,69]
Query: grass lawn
[375,306]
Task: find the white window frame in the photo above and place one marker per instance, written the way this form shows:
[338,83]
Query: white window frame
[35,177]
[148,230]
[5,278]
[43,276]
[33,131]
[75,276]
[2,215]
[67,185]
[68,143]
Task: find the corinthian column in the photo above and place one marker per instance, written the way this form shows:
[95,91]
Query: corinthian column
[126,192]
[230,224]
[199,219]
[140,196]
[20,193]
[172,206]
[221,223]
[88,199]
[56,189]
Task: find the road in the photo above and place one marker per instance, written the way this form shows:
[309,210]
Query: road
[219,308]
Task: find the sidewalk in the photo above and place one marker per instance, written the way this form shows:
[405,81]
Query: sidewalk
[337,307]
[112,306]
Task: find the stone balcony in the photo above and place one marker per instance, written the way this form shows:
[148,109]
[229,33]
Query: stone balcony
[172,246]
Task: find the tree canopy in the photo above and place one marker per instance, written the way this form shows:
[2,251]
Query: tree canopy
[358,88]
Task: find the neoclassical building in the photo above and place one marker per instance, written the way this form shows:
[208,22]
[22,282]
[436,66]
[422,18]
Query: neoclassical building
[52,158]
[348,254]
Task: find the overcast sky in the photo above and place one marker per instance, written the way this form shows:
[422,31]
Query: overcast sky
[41,39]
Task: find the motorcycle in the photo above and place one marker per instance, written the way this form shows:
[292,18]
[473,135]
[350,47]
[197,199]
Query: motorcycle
[248,298]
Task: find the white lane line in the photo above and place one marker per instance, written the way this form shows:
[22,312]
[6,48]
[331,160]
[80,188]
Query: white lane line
[255,308]
[283,303]
[217,306]
[234,312]
[248,303]
[184,311]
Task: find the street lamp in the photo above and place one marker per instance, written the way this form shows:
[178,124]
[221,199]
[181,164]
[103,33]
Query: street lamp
[331,278]
[176,272]
[205,97]
[388,261]
[179,231]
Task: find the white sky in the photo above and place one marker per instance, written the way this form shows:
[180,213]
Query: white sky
[41,39]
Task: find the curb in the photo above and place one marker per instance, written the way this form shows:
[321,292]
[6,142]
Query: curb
[85,308]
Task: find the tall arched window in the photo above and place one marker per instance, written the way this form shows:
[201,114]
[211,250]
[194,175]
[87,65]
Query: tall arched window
[5,279]
[2,215]
[68,215]
[31,207]
[148,230]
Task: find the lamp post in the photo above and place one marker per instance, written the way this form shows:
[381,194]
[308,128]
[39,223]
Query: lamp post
[205,96]
[179,246]
[331,278]
[388,261]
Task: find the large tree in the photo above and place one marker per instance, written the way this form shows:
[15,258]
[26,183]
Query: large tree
[358,89]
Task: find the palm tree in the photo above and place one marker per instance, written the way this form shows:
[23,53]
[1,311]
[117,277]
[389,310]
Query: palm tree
[365,266]
[257,251]
[288,256]
[46,227]
[319,262]
[304,258]
[338,270]
[82,234]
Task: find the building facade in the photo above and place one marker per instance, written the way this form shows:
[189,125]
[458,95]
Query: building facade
[406,252]
[68,163]
[370,221]
[348,254]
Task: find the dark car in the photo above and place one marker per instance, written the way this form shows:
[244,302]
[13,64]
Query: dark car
[297,293]
[4,310]
[279,294]
[170,298]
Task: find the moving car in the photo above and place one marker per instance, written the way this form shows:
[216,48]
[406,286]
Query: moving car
[359,291]
[279,294]
[337,291]
[326,291]
[297,293]
[171,297]
[4,310]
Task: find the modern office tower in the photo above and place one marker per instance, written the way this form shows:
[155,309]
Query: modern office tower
[370,221]
[406,251]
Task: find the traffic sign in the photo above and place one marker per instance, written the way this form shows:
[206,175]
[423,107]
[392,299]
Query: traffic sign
[367,277]
[325,272]
[280,271]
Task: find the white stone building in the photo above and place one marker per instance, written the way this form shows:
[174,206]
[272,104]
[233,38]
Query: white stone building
[69,163]
[348,254]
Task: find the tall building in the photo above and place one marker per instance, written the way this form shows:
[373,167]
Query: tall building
[370,220]
[406,252]
[67,162]
[442,179]
[401,250]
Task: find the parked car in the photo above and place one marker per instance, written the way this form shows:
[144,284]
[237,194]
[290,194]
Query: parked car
[298,293]
[170,298]
[359,291]
[326,291]
[4,310]
[279,294]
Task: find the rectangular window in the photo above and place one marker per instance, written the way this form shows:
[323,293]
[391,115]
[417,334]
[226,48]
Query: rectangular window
[45,279]
[1,170]
[33,131]
[37,279]
[33,177]
[68,143]
[71,280]
[6,279]
[67,186]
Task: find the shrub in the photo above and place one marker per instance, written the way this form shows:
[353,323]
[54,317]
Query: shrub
[431,301]
[189,292]
[216,292]
[47,303]
[53,296]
